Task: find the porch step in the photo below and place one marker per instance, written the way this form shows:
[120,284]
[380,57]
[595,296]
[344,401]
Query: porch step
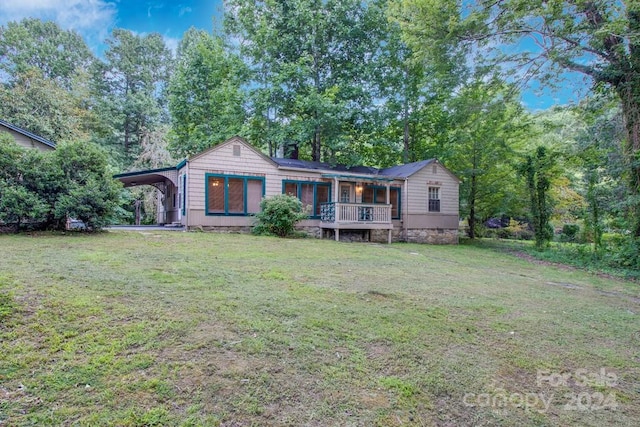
[174,224]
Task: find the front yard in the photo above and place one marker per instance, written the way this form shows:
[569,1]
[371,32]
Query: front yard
[172,328]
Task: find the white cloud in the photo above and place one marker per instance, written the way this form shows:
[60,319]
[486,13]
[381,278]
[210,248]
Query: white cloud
[93,19]
[172,43]
[185,10]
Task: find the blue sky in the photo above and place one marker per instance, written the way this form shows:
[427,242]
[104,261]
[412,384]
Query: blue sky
[94,20]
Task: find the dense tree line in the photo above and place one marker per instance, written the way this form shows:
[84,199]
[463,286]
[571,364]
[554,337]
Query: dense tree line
[377,82]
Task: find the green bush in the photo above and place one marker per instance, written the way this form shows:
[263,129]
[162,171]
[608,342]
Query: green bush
[569,232]
[43,189]
[278,215]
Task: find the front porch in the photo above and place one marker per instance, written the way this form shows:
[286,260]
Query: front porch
[355,216]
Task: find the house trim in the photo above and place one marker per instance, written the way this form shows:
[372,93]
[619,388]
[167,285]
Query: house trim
[226,178]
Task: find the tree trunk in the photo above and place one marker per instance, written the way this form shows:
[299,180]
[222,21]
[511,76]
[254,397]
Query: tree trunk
[630,97]
[126,135]
[628,88]
[137,204]
[316,145]
[472,206]
[405,117]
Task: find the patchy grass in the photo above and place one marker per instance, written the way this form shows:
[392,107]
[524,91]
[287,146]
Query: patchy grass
[198,329]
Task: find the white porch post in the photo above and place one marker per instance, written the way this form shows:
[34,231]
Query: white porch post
[336,208]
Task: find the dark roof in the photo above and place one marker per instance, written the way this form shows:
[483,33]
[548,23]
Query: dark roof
[400,171]
[406,170]
[305,164]
[28,134]
[144,172]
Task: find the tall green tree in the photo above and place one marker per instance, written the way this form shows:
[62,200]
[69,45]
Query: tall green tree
[600,39]
[488,128]
[206,96]
[312,64]
[598,152]
[42,106]
[130,85]
[44,80]
[538,171]
[33,44]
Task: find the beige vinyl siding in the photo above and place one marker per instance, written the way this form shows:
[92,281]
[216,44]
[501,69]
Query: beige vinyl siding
[416,200]
[221,160]
[250,162]
[25,141]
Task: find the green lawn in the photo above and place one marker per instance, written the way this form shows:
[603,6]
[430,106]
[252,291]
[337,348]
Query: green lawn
[170,328]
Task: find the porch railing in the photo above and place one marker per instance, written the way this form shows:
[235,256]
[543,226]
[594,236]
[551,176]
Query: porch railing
[361,213]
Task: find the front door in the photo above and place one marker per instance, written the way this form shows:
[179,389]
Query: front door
[345,193]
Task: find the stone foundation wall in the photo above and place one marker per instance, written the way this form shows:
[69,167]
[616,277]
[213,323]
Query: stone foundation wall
[436,236]
[380,236]
[311,231]
[226,230]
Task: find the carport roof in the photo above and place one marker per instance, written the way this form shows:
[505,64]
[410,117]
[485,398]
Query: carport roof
[145,177]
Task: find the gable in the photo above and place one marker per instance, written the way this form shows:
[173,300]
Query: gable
[25,138]
[235,155]
[409,169]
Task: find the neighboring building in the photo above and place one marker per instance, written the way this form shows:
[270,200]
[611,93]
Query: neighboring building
[26,138]
[220,188]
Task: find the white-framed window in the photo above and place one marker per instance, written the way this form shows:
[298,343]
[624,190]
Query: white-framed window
[434,199]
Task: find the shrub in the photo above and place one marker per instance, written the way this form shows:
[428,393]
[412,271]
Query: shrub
[278,215]
[43,189]
[569,232]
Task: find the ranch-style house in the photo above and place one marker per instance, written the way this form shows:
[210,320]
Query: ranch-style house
[221,188]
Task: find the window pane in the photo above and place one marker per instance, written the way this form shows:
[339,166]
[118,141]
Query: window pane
[291,188]
[236,195]
[307,195]
[434,199]
[322,196]
[254,195]
[433,193]
[394,196]
[345,193]
[381,195]
[216,194]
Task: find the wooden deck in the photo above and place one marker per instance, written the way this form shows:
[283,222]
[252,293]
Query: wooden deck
[355,216]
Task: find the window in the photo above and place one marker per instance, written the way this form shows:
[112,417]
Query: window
[233,195]
[378,194]
[311,194]
[434,199]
